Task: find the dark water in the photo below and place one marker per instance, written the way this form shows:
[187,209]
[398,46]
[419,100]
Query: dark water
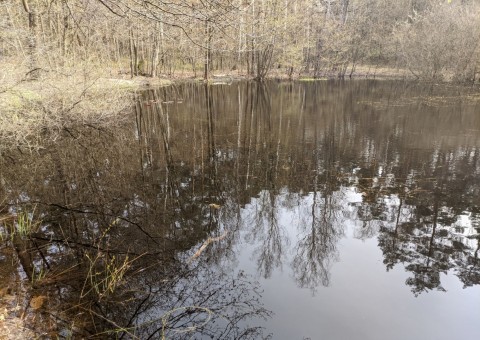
[321,210]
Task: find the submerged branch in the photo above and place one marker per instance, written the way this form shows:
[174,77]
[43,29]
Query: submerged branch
[205,245]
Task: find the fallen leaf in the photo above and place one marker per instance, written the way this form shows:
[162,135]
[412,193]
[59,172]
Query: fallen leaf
[3,292]
[37,302]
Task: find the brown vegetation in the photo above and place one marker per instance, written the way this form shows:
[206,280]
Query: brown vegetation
[58,58]
[58,100]
[432,38]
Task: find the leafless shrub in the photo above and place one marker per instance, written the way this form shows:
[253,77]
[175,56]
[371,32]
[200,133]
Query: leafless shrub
[442,44]
[60,99]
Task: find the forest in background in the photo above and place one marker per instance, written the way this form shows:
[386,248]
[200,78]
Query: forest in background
[432,39]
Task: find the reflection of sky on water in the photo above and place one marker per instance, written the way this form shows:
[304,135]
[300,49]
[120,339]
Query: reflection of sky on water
[355,215]
[362,300]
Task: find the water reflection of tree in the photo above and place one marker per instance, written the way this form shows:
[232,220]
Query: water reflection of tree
[317,248]
[196,301]
[291,143]
[262,156]
[101,205]
[426,241]
[146,190]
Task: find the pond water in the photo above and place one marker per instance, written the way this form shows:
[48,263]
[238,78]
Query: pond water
[304,210]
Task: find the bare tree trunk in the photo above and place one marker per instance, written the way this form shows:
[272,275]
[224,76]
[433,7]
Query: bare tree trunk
[132,66]
[64,32]
[133,56]
[328,12]
[345,4]
[318,52]
[208,50]
[252,43]
[239,56]
[33,74]
[155,54]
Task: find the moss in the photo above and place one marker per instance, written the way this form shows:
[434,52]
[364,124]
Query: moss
[16,99]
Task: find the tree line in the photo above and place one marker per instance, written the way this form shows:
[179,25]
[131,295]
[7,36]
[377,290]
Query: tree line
[432,39]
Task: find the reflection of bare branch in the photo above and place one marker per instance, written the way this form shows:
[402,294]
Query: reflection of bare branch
[271,252]
[224,303]
[318,248]
[267,231]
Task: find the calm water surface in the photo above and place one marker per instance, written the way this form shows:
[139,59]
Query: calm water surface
[319,210]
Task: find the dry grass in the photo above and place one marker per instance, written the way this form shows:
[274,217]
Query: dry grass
[34,110]
[87,94]
[12,324]
[381,72]
[12,328]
